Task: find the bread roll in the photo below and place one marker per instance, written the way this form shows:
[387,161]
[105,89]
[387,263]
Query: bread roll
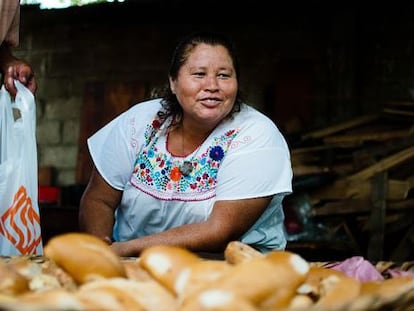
[134,271]
[165,263]
[290,271]
[102,295]
[25,266]
[328,288]
[218,300]
[54,299]
[298,302]
[134,295]
[12,282]
[337,292]
[200,275]
[388,290]
[260,278]
[312,285]
[84,257]
[237,252]
[42,273]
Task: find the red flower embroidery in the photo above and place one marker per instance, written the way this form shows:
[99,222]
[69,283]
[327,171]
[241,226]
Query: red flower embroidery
[175,174]
[156,124]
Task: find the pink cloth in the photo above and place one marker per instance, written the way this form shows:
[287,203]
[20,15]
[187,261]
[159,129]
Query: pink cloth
[358,268]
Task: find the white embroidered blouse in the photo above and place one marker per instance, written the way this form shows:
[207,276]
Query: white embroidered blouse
[244,157]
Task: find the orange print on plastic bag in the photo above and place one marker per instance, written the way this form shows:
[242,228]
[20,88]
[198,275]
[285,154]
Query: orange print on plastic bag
[20,224]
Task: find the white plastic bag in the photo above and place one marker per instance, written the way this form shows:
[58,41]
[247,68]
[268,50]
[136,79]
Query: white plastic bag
[20,230]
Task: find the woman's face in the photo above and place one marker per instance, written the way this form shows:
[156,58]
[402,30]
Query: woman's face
[206,85]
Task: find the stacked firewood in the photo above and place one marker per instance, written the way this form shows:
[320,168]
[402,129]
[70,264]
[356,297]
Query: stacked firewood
[362,169]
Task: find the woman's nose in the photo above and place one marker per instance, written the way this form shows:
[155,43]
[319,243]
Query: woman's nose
[212,83]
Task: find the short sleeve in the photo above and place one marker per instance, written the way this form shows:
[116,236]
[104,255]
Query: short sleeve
[114,147]
[257,164]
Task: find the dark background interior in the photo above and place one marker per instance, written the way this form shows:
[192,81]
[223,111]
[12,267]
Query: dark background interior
[307,65]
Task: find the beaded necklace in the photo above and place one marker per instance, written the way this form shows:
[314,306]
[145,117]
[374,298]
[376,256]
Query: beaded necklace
[186,167]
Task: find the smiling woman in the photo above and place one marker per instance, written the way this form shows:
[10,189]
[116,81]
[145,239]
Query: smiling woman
[61,4]
[196,167]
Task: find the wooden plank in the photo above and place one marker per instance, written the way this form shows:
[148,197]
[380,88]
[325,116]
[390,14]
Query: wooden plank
[357,206]
[342,207]
[361,189]
[375,250]
[359,139]
[341,189]
[399,189]
[381,150]
[340,127]
[399,112]
[383,165]
[401,205]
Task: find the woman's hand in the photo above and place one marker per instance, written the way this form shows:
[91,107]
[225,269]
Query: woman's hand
[122,249]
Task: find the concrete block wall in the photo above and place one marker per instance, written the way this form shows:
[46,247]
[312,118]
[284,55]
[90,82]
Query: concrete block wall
[358,58]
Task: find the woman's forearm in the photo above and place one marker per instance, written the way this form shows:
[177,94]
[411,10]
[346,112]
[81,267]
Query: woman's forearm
[96,218]
[197,237]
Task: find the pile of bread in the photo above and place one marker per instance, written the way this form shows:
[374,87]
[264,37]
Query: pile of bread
[81,272]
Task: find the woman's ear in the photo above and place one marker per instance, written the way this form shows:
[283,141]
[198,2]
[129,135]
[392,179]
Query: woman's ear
[172,85]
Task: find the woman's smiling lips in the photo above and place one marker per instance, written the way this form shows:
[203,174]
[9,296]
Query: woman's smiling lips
[210,101]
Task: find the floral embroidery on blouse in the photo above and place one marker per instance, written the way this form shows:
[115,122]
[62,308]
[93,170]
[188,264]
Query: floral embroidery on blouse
[157,172]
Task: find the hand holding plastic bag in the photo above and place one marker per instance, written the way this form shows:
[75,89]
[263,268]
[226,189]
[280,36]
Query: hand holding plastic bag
[20,231]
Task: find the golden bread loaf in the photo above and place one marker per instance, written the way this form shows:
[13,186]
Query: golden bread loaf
[12,282]
[84,257]
[136,295]
[274,277]
[51,299]
[329,288]
[104,295]
[165,263]
[81,272]
[217,300]
[134,271]
[237,252]
[389,289]
[200,275]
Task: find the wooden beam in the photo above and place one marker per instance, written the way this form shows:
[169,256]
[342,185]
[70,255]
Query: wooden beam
[383,165]
[375,251]
[359,138]
[340,127]
[357,206]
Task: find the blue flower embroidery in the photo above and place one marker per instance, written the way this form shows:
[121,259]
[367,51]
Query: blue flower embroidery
[216,153]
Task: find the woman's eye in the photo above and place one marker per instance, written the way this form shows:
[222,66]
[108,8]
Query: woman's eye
[199,74]
[224,75]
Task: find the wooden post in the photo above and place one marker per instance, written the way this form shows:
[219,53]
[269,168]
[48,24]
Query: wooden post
[375,251]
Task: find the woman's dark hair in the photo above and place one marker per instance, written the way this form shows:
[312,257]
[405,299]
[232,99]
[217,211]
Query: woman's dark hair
[170,105]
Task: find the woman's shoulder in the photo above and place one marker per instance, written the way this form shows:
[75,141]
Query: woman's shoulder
[253,129]
[250,117]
